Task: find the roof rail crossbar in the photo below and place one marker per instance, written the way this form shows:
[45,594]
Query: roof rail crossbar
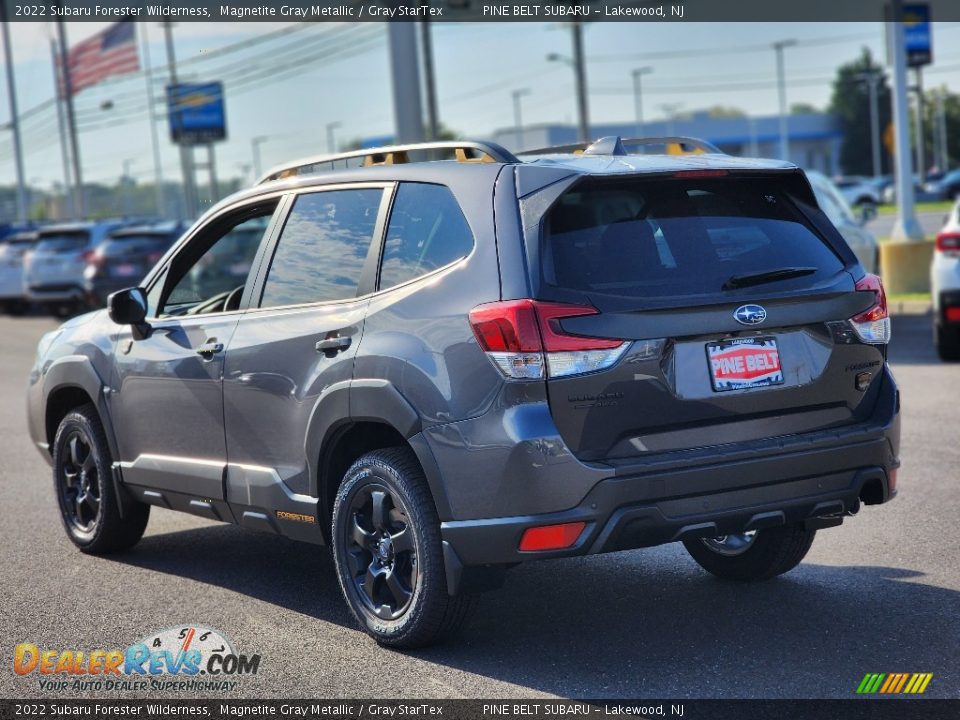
[460,150]
[614,145]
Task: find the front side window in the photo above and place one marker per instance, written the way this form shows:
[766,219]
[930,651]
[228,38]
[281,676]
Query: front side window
[323,247]
[427,230]
[215,281]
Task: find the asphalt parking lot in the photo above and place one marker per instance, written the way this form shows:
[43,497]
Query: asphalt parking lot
[880,594]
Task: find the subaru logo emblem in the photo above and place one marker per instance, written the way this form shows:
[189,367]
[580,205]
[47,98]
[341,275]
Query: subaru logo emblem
[750,314]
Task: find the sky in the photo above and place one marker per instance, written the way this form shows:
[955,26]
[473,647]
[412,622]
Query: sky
[289,86]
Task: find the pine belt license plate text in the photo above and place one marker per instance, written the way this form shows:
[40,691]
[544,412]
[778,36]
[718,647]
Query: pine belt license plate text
[744,363]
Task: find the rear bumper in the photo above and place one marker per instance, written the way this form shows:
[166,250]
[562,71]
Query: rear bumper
[947,299]
[816,477]
[59,292]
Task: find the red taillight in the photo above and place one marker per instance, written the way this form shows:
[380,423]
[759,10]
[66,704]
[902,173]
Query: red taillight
[509,326]
[952,314]
[873,324]
[948,242]
[92,257]
[878,311]
[531,326]
[154,257]
[551,537]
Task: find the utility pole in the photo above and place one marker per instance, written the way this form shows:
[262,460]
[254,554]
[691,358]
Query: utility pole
[517,116]
[872,80]
[69,208]
[405,80]
[158,194]
[126,181]
[905,227]
[79,204]
[943,159]
[186,153]
[921,150]
[580,74]
[638,74]
[14,115]
[429,81]
[782,93]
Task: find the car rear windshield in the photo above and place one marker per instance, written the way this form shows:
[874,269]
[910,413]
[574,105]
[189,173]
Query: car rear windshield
[123,242]
[666,237]
[63,241]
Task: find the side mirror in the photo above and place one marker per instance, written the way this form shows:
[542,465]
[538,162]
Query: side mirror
[128,307]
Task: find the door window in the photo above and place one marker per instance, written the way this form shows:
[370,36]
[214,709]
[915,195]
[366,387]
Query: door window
[211,273]
[323,246]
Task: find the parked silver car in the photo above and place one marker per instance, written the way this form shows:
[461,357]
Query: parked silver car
[13,248]
[53,272]
[835,206]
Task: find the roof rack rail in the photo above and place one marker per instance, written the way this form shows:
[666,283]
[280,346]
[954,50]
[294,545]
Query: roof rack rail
[460,150]
[614,145]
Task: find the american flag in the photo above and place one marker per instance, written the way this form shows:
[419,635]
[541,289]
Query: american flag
[110,52]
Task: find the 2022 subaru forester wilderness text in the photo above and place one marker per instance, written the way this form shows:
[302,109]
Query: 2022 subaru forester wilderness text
[442,368]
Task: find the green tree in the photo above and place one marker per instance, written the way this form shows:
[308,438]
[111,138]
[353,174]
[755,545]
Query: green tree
[850,102]
[804,108]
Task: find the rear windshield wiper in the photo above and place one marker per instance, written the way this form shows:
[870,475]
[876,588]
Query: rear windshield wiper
[767,276]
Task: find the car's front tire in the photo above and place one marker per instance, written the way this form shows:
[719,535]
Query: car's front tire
[89,506]
[387,549]
[760,555]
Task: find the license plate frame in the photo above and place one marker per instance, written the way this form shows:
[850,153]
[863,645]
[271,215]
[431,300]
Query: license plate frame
[744,364]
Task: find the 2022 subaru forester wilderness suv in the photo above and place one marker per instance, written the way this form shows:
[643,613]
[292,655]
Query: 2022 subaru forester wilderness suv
[444,368]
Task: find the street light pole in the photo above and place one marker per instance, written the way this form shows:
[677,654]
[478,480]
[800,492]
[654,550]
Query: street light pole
[186,153]
[331,143]
[638,74]
[158,195]
[517,115]
[905,226]
[255,144]
[429,80]
[14,116]
[79,202]
[872,80]
[782,92]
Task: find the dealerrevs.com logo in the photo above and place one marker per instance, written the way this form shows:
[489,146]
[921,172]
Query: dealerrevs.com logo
[183,658]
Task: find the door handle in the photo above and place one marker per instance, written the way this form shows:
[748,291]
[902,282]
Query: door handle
[208,349]
[332,345]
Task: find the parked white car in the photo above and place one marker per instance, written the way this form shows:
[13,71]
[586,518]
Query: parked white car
[13,248]
[945,288]
[837,209]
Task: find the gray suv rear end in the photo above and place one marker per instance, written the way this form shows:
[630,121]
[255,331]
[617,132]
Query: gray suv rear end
[447,368]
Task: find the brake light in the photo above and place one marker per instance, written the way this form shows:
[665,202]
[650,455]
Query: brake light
[92,257]
[524,339]
[154,257]
[873,324]
[700,173]
[948,242]
[551,537]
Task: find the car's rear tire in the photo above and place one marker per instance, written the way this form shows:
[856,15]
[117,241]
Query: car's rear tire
[947,340]
[387,549]
[89,506]
[757,556]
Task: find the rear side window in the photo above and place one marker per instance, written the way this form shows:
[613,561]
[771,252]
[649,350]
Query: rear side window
[62,242]
[322,248]
[668,237]
[427,230]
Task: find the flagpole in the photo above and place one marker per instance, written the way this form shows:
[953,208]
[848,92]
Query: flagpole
[57,85]
[14,115]
[154,139]
[71,120]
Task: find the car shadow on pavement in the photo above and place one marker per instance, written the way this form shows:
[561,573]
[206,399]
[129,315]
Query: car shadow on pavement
[293,575]
[645,623]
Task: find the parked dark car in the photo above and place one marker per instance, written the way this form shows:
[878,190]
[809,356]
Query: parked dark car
[444,369]
[125,257]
